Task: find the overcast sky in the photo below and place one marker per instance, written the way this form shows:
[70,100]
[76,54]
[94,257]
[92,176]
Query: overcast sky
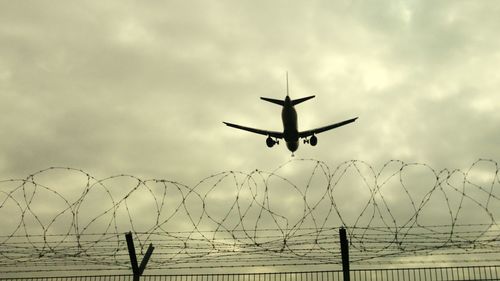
[142,87]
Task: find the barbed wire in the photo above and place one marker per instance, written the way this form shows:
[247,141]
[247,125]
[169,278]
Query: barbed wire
[63,218]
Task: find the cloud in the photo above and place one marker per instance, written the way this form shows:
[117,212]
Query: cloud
[143,88]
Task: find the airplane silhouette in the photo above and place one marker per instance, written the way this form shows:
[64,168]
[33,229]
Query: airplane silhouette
[289,118]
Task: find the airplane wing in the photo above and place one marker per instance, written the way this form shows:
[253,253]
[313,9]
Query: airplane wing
[308,133]
[273,134]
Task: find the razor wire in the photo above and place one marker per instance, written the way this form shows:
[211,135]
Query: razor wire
[65,219]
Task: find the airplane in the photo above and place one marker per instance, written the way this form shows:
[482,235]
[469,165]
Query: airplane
[290,133]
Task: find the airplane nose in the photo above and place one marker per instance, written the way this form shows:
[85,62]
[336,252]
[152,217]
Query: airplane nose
[292,146]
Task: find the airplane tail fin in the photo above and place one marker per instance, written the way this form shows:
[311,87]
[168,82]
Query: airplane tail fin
[297,101]
[282,102]
[278,102]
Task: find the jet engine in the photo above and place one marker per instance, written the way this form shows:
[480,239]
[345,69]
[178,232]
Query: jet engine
[270,142]
[313,140]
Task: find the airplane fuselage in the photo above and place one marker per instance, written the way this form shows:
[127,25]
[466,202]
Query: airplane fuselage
[290,129]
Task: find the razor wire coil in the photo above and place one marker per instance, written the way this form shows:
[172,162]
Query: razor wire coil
[63,218]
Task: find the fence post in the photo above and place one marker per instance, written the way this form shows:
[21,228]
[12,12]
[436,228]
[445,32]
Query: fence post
[137,270]
[344,249]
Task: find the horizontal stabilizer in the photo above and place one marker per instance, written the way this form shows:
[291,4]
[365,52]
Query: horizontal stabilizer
[297,101]
[278,102]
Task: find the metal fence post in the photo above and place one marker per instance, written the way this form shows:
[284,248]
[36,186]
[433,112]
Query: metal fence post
[344,249]
[137,270]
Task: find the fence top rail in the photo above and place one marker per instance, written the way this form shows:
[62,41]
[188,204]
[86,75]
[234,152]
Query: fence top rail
[255,273]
